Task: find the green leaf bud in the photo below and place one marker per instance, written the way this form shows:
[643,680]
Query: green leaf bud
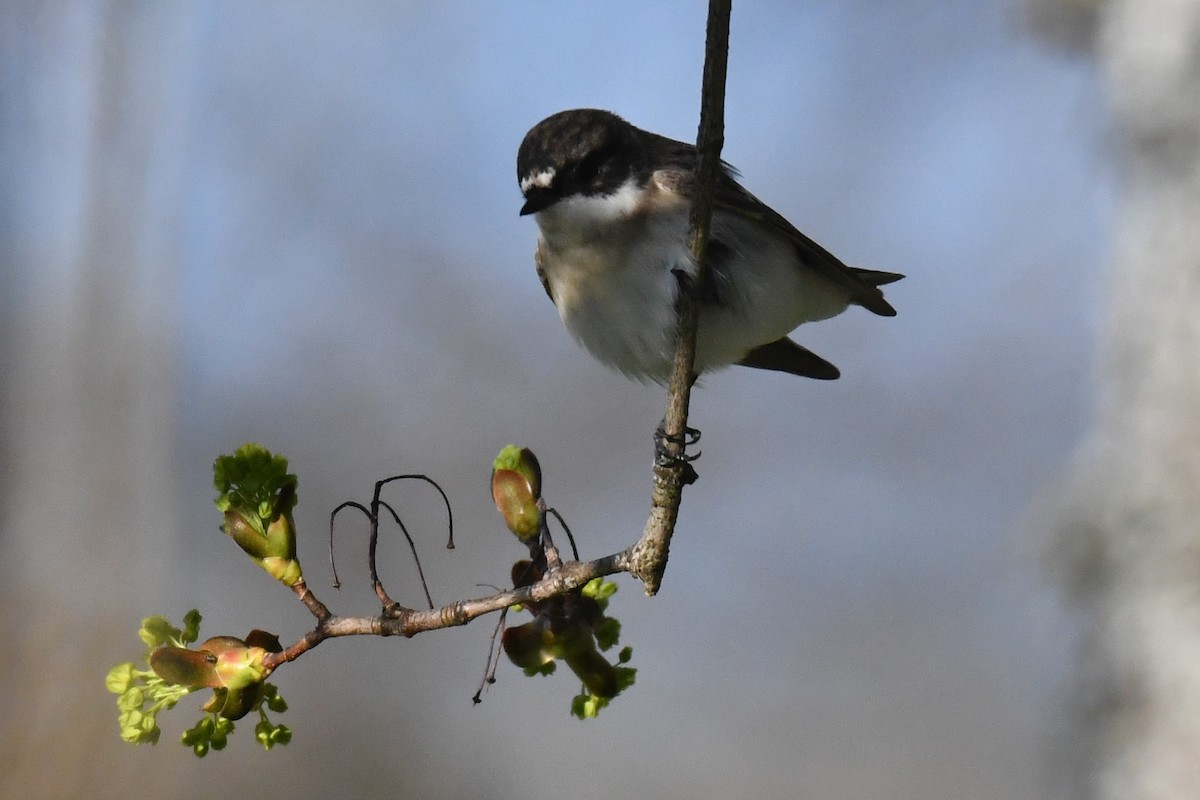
[517,490]
[257,495]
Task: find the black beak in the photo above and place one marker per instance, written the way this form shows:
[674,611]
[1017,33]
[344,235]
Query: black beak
[537,199]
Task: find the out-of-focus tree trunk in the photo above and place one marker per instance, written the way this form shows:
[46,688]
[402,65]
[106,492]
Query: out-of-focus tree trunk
[1129,521]
[87,402]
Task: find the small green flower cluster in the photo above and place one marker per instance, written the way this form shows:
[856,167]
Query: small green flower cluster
[269,735]
[230,667]
[575,630]
[141,693]
[586,704]
[212,731]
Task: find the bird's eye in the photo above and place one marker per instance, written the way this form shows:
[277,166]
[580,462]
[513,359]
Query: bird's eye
[588,169]
[598,161]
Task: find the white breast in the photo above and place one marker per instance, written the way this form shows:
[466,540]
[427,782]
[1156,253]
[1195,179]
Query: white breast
[616,291]
[610,263]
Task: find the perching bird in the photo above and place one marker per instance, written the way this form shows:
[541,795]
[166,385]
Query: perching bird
[612,202]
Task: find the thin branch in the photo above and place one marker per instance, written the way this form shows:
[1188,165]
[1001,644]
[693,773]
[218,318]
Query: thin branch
[409,622]
[553,559]
[493,659]
[337,582]
[565,527]
[649,555]
[315,606]
[412,547]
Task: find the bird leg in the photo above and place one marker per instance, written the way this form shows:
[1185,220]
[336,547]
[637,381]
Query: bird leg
[670,451]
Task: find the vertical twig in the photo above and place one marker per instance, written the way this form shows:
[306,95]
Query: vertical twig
[648,558]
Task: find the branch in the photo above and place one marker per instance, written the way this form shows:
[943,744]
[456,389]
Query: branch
[649,556]
[257,495]
[400,621]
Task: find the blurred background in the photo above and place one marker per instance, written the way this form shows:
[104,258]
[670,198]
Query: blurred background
[296,223]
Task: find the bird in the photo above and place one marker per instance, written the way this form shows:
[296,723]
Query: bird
[611,202]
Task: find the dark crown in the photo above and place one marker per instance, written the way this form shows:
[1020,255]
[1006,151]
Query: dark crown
[581,151]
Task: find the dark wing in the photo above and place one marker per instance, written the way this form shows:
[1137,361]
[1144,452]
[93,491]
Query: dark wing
[784,355]
[862,284]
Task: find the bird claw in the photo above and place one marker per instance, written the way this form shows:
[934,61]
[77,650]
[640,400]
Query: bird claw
[664,457]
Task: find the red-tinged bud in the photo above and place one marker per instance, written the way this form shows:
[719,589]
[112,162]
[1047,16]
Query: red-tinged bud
[194,669]
[275,552]
[593,669]
[239,667]
[220,644]
[233,704]
[264,639]
[517,490]
[241,529]
[528,646]
[526,573]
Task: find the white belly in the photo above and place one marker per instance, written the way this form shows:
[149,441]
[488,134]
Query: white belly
[616,292]
[621,309]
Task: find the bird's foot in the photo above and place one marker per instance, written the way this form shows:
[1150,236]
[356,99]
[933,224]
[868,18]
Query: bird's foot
[671,451]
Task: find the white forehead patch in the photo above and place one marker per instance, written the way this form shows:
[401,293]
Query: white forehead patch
[541,180]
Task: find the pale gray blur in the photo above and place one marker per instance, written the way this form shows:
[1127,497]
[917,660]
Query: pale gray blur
[1126,517]
[297,223]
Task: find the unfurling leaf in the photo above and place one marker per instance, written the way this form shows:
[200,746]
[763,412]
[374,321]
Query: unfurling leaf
[257,495]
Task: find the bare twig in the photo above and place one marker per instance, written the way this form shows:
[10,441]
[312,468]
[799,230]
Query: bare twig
[565,527]
[315,606]
[493,659]
[649,555]
[372,515]
[399,621]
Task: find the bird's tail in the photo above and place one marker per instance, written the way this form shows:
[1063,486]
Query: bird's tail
[876,277]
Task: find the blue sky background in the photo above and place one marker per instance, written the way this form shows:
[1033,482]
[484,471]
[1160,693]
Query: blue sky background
[853,607]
